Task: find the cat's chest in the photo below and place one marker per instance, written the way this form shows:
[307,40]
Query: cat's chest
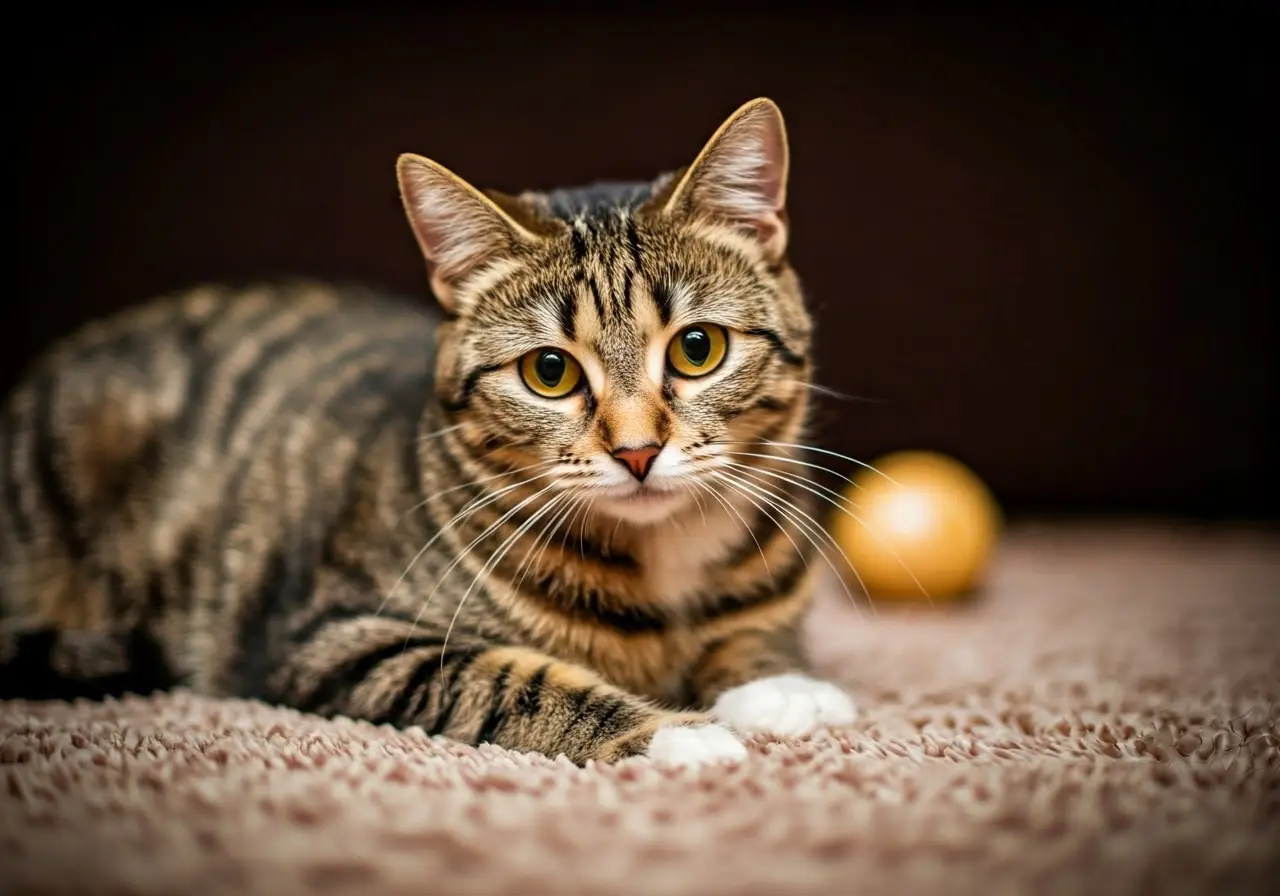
[682,563]
[641,642]
[636,630]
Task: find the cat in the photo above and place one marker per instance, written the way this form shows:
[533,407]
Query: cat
[559,512]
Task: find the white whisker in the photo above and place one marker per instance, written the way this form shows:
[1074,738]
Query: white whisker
[791,460]
[806,483]
[471,507]
[728,505]
[493,561]
[771,505]
[697,499]
[485,534]
[837,454]
[582,529]
[549,532]
[807,526]
[440,432]
[564,540]
[833,393]
[472,482]
[613,535]
[799,447]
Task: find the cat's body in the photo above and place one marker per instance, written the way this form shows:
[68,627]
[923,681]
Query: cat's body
[288,492]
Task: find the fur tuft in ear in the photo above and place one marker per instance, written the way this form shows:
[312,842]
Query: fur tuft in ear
[458,228]
[741,176]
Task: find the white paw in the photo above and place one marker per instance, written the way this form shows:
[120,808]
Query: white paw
[695,745]
[784,704]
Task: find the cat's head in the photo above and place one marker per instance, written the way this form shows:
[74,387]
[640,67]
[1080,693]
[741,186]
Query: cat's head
[626,337]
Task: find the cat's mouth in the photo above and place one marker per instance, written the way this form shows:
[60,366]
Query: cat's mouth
[644,497]
[642,504]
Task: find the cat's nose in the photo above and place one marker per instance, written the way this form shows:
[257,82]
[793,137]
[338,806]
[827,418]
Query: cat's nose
[638,460]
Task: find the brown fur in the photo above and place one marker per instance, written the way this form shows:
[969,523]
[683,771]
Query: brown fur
[274,492]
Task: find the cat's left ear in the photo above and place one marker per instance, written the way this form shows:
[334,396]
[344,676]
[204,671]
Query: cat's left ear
[741,176]
[459,229]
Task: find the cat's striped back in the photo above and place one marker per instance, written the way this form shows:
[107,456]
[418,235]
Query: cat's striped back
[186,447]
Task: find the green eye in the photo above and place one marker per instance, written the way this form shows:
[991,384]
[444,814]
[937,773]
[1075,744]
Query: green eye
[550,372]
[697,350]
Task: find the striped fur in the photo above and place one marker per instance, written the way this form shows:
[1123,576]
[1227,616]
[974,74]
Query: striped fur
[338,501]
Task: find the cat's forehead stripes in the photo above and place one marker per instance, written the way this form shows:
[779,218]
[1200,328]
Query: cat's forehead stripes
[598,296]
[613,286]
[606,259]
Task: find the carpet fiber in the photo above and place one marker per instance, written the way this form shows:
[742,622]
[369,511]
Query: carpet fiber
[1103,720]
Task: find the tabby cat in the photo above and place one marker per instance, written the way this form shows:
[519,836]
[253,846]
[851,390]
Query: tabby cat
[562,517]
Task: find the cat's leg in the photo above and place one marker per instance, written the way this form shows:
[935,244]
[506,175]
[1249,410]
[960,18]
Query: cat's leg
[475,692]
[755,681]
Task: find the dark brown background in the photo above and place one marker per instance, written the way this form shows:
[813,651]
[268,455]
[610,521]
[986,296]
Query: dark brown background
[1036,241]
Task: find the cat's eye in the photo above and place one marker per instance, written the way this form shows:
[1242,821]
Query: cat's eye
[550,372]
[697,350]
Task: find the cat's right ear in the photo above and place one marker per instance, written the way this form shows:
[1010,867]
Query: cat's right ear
[741,176]
[459,229]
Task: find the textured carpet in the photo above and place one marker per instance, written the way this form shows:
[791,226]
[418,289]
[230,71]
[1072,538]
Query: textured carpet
[1104,720]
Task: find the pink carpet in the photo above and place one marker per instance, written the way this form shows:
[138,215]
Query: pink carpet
[1103,720]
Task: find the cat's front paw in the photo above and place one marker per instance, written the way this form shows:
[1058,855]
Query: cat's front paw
[784,704]
[695,745]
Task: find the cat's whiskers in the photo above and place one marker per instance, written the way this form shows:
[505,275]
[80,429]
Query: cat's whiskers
[493,561]
[806,523]
[687,486]
[728,505]
[470,483]
[832,393]
[582,529]
[582,525]
[473,506]
[583,506]
[791,460]
[533,555]
[440,432]
[580,507]
[549,532]
[492,527]
[773,519]
[748,490]
[800,480]
[828,452]
[752,478]
[766,511]
[808,485]
[613,535]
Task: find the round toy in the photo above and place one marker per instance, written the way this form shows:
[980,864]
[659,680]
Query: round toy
[926,532]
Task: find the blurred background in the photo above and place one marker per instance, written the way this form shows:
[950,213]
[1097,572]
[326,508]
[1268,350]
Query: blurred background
[1041,242]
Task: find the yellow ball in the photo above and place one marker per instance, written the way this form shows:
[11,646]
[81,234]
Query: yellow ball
[928,527]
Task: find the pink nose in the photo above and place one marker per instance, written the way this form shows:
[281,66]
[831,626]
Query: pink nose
[638,460]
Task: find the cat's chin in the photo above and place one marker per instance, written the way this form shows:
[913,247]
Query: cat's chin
[643,507]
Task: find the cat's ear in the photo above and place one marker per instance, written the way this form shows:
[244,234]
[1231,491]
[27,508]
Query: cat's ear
[741,176]
[458,228]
